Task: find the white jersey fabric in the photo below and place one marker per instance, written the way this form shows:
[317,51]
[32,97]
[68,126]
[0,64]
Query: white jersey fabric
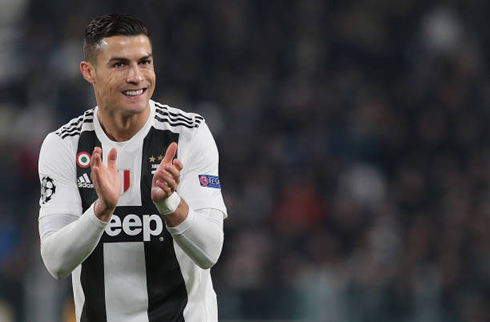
[136,269]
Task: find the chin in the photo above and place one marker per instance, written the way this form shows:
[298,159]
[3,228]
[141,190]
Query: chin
[136,107]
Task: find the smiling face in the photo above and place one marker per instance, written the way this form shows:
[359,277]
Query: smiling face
[122,75]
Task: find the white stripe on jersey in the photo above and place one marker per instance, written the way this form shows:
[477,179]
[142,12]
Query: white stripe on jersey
[202,304]
[78,295]
[125,274]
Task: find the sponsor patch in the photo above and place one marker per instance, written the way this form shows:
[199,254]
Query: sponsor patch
[48,189]
[209,181]
[85,182]
[132,225]
[83,159]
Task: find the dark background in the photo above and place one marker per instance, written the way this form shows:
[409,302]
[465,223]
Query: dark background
[353,142]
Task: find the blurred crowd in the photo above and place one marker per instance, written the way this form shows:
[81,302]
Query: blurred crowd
[353,138]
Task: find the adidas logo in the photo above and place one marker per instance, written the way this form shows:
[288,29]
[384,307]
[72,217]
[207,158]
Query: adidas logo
[84,182]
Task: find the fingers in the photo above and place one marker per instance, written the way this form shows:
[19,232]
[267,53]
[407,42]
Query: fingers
[96,157]
[95,164]
[160,191]
[178,164]
[111,159]
[171,180]
[165,186]
[95,175]
[166,179]
[158,194]
[170,153]
[173,171]
[106,180]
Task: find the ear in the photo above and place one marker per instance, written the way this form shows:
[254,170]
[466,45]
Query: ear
[88,71]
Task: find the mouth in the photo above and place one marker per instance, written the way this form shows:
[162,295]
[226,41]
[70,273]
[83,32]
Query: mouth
[134,93]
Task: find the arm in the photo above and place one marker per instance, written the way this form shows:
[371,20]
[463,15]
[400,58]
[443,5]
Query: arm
[68,238]
[197,230]
[200,235]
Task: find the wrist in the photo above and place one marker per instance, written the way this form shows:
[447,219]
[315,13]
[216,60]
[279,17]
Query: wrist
[169,205]
[101,210]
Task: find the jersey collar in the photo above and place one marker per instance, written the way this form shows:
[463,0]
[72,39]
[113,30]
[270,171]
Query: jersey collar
[131,144]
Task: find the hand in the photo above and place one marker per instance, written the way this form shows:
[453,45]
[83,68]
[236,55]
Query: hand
[106,182]
[167,176]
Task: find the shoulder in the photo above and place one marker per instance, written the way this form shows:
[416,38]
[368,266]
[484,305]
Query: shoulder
[55,156]
[75,126]
[60,145]
[176,118]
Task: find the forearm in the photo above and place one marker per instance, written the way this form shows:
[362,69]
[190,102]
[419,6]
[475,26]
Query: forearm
[200,236]
[64,249]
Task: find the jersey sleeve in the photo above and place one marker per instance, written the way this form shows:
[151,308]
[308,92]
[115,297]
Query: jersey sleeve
[200,186]
[57,174]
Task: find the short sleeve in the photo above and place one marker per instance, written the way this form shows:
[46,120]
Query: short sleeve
[200,186]
[57,174]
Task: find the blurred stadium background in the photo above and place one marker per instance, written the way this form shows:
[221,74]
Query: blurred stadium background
[353,136]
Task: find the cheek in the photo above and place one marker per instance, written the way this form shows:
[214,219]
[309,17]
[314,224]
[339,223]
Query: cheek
[150,75]
[152,81]
[111,83]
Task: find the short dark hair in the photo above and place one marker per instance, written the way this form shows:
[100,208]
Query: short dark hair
[108,26]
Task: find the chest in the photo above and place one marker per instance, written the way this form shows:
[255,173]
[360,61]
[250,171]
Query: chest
[136,162]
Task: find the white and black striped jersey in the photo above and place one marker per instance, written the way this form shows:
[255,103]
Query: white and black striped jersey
[137,272]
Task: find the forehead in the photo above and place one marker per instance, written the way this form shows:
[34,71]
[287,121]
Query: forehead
[131,47]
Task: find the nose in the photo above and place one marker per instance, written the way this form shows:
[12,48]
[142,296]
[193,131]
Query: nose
[134,75]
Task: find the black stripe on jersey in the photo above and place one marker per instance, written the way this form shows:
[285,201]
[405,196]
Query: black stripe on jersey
[167,294]
[88,115]
[163,110]
[70,125]
[174,117]
[82,119]
[174,123]
[86,143]
[92,274]
[198,119]
[71,134]
[74,127]
[92,279]
[74,131]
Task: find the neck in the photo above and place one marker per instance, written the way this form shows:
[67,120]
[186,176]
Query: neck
[121,127]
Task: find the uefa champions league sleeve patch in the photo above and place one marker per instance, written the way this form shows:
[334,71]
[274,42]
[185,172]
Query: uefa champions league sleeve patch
[48,189]
[209,181]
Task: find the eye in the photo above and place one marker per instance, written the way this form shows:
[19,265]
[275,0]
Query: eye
[118,64]
[145,62]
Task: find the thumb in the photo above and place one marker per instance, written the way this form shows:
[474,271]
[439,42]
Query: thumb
[170,154]
[111,158]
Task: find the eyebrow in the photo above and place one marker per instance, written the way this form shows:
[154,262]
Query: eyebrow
[123,59]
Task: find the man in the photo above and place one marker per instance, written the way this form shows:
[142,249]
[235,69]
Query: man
[131,203]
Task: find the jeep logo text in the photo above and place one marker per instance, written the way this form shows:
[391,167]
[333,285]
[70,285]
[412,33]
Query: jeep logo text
[132,225]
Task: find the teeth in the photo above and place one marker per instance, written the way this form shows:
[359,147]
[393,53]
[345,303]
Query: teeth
[133,93]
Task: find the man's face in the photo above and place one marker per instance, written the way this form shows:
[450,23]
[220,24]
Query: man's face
[124,77]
